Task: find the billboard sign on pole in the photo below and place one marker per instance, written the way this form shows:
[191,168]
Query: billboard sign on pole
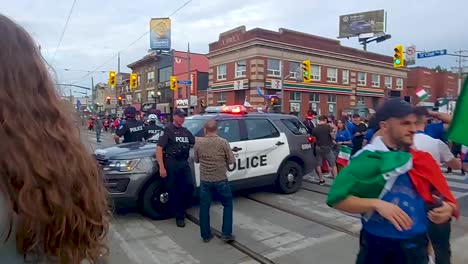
[353,25]
[160,34]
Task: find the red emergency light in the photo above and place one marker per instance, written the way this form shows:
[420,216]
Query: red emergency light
[234,109]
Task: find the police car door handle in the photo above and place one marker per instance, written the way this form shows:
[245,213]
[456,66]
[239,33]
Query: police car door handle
[279,143]
[235,149]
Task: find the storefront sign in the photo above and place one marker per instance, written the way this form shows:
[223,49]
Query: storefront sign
[182,102]
[230,40]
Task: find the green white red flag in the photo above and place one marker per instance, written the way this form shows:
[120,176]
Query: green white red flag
[422,94]
[344,155]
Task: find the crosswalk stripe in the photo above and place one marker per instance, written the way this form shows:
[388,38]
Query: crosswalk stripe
[458,185]
[453,177]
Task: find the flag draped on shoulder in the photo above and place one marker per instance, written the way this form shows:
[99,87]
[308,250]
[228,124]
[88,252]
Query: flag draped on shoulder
[458,131]
[372,173]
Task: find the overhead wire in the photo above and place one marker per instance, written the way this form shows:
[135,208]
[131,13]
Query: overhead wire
[131,44]
[63,32]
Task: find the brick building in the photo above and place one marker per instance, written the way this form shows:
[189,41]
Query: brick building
[436,84]
[154,71]
[343,77]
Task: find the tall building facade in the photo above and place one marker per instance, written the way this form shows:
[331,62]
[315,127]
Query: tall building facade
[437,84]
[342,77]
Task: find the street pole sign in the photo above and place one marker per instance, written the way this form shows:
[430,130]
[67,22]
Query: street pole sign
[184,82]
[433,53]
[410,55]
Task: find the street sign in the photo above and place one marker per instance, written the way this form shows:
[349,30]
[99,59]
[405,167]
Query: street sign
[410,55]
[184,82]
[433,53]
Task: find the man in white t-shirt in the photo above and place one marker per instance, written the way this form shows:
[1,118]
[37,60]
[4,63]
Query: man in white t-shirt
[439,234]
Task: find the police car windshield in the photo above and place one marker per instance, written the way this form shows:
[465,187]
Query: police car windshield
[195,125]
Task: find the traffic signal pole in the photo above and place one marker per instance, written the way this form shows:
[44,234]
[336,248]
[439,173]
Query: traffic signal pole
[189,86]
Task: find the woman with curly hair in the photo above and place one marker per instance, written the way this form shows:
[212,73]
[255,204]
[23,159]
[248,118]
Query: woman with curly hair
[53,206]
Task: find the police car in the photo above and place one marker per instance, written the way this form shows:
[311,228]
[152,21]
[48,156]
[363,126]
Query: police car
[270,149]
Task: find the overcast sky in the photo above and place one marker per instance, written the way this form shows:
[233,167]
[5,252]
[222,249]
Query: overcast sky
[99,29]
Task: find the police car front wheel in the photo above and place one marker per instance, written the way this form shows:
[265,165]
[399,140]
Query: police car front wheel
[289,178]
[154,200]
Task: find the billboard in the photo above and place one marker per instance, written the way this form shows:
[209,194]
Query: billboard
[160,34]
[361,23]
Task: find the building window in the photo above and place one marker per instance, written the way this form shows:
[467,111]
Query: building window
[138,95]
[293,69]
[332,98]
[164,74]
[222,98]
[332,75]
[295,96]
[362,78]
[375,80]
[332,104]
[241,68]
[314,102]
[273,67]
[150,77]
[316,72]
[399,83]
[221,70]
[345,77]
[388,82]
[180,93]
[361,100]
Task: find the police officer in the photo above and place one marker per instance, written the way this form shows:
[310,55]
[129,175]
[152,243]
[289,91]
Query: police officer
[153,126]
[172,153]
[132,130]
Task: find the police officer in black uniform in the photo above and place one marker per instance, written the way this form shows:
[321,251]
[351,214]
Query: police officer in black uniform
[172,153]
[132,130]
[153,128]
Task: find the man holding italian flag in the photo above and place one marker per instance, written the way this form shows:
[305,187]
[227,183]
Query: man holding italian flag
[397,193]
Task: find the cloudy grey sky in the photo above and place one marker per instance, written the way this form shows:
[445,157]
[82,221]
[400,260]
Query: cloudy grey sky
[99,29]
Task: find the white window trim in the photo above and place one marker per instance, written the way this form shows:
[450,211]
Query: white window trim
[397,84]
[241,73]
[388,85]
[150,80]
[345,80]
[365,79]
[316,77]
[221,77]
[295,100]
[332,79]
[274,72]
[333,96]
[293,72]
[378,81]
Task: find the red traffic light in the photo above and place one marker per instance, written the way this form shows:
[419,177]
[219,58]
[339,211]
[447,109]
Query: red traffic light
[120,98]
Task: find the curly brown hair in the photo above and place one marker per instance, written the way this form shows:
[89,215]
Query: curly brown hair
[51,183]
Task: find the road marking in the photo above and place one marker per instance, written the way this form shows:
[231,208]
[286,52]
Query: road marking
[453,177]
[458,185]
[283,239]
[149,244]
[123,245]
[308,242]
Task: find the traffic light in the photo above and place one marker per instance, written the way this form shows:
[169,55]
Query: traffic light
[112,78]
[306,72]
[173,84]
[398,57]
[133,81]
[273,101]
[119,99]
[202,102]
[108,99]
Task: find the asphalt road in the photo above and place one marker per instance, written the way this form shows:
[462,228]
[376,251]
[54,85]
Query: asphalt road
[269,228]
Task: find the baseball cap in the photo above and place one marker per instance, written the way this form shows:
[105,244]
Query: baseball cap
[179,112]
[130,112]
[393,108]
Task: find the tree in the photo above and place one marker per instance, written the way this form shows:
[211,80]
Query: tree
[438,68]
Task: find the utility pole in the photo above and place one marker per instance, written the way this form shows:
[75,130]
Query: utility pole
[460,61]
[282,85]
[189,86]
[93,95]
[118,63]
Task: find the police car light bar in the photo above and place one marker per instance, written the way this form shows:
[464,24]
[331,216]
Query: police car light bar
[231,109]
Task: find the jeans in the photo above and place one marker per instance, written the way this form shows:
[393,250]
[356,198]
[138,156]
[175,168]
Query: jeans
[98,134]
[223,191]
[373,250]
[440,239]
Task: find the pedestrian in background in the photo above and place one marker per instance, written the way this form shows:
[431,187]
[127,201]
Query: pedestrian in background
[324,134]
[359,132]
[214,155]
[53,206]
[98,126]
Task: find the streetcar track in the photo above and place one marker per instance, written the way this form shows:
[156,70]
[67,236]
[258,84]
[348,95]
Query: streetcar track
[235,244]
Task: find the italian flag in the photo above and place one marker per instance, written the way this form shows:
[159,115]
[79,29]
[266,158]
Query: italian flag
[372,173]
[458,129]
[344,155]
[421,93]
